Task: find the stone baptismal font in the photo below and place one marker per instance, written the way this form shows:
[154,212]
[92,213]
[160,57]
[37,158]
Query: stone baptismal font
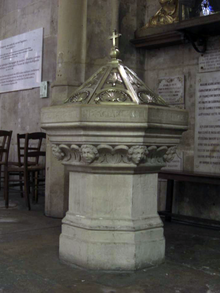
[113,135]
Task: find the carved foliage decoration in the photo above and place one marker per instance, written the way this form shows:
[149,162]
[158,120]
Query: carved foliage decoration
[114,78]
[148,98]
[94,80]
[61,152]
[112,155]
[170,154]
[145,97]
[121,154]
[57,152]
[115,96]
[80,97]
[133,78]
[145,94]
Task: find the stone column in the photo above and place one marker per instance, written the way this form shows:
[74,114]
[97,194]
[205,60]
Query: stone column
[115,14]
[71,48]
[71,54]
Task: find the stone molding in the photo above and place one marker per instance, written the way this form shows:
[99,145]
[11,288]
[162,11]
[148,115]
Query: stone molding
[106,224]
[87,154]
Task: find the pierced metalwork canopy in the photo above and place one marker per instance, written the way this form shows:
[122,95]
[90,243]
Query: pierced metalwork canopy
[115,83]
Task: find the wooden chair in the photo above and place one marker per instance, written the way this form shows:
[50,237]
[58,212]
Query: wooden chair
[21,152]
[28,166]
[19,163]
[5,138]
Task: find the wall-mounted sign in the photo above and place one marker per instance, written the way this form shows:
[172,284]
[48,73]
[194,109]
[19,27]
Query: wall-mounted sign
[207,130]
[43,89]
[21,61]
[210,60]
[176,163]
[171,89]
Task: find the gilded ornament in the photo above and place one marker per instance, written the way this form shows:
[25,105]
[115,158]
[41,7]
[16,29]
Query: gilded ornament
[114,78]
[167,14]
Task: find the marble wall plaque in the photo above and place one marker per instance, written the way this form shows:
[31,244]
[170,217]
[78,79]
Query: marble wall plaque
[207,130]
[171,89]
[210,60]
[21,61]
[176,164]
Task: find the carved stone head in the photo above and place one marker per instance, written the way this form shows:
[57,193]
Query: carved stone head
[137,154]
[89,153]
[57,152]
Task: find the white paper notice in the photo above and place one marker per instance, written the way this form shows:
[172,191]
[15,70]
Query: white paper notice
[207,130]
[21,61]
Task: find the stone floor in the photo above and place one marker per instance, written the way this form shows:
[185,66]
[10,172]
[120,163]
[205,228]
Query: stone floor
[29,261]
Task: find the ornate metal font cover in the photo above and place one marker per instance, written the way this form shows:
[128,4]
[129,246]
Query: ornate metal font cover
[115,83]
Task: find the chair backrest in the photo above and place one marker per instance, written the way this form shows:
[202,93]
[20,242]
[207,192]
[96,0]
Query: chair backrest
[30,151]
[31,146]
[5,145]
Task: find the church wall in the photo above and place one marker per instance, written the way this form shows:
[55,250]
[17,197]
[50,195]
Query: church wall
[20,110]
[198,200]
[132,15]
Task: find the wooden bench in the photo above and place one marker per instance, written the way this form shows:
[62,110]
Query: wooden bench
[171,176]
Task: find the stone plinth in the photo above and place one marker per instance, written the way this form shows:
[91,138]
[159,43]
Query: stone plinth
[112,222]
[113,154]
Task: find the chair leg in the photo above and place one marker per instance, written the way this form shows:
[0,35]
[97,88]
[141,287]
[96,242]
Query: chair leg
[36,182]
[33,185]
[21,187]
[26,190]
[6,187]
[0,177]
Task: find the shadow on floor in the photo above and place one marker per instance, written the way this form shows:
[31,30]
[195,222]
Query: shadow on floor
[29,260]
